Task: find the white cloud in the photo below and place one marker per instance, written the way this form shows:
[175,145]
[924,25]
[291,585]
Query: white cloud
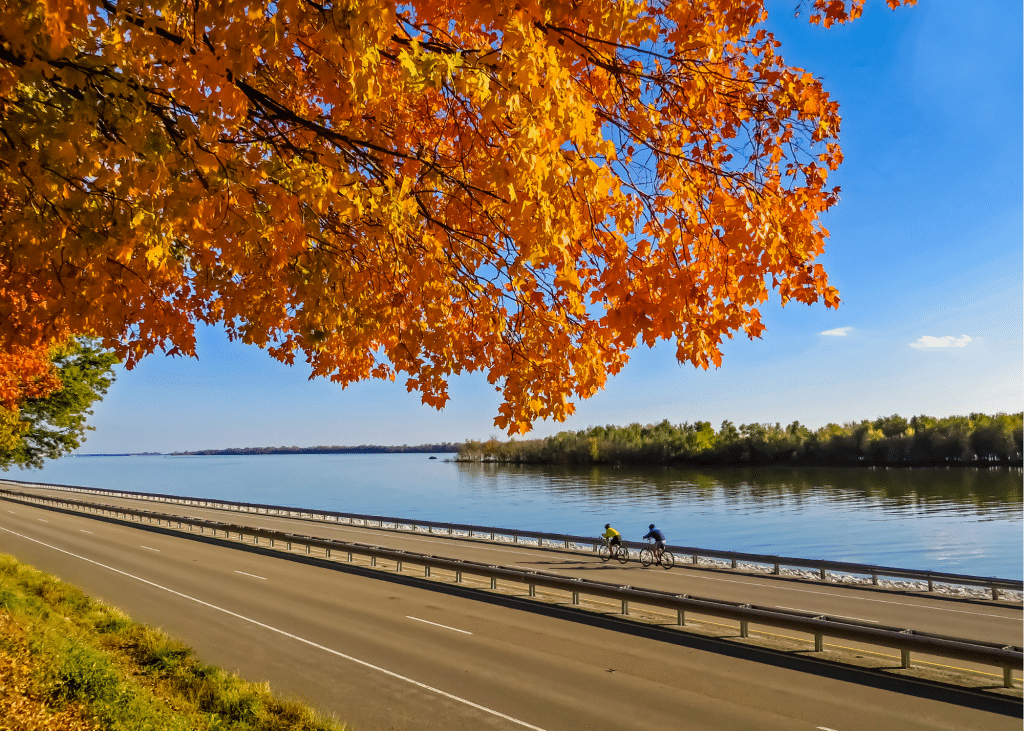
[838,331]
[947,341]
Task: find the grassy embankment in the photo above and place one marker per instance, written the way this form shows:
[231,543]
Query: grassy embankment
[71,663]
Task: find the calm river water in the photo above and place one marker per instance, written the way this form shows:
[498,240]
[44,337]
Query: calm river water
[961,520]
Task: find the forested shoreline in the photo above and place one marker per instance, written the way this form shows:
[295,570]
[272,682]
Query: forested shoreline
[974,440]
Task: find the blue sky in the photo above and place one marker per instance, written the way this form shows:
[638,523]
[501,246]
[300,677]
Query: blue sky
[925,250]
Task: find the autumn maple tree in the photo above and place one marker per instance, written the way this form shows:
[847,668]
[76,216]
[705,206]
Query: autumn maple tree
[419,189]
[25,374]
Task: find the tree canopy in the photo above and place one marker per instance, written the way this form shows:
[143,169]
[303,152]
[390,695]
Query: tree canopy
[48,419]
[528,188]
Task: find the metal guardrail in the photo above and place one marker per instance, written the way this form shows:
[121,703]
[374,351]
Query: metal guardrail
[1007,657]
[548,540]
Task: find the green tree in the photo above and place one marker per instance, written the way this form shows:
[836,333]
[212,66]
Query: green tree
[57,423]
[891,426]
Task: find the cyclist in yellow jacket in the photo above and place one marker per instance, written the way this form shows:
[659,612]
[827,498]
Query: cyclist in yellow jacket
[613,537]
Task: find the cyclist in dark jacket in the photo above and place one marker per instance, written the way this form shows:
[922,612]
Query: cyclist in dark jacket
[659,539]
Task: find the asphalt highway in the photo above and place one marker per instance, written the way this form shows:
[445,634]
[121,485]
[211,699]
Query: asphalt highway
[387,654]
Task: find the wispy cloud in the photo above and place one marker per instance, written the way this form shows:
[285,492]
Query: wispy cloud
[840,331]
[947,341]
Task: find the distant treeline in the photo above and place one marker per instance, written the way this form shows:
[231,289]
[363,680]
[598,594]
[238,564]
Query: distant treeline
[978,439]
[361,449]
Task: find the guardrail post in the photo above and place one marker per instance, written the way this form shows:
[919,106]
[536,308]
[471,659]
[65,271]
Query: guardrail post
[625,606]
[819,642]
[695,559]
[373,560]
[308,548]
[426,571]
[874,579]
[458,577]
[931,587]
[743,628]
[776,570]
[350,557]
[289,545]
[398,565]
[492,535]
[256,540]
[822,574]
[681,617]
[1007,677]
[576,597]
[328,550]
[995,594]
[733,563]
[494,583]
[533,589]
[905,658]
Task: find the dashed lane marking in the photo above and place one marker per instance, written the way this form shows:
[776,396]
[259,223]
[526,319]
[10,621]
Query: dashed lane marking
[150,549]
[252,575]
[453,629]
[289,635]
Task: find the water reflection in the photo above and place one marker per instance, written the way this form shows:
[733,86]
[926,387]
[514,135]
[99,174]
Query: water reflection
[964,520]
[981,492]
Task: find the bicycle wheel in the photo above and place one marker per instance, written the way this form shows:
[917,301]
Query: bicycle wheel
[667,560]
[646,557]
[623,554]
[603,553]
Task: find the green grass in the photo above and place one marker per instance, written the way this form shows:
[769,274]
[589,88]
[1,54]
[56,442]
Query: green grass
[69,662]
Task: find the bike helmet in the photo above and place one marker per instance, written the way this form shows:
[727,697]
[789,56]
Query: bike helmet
[651,526]
[607,525]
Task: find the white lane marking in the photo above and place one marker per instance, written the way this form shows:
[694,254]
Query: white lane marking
[150,549]
[289,635]
[841,616]
[825,728]
[252,575]
[12,512]
[42,521]
[510,550]
[83,530]
[453,629]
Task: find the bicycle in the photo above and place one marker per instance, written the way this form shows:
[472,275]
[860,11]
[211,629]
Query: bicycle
[647,556]
[606,552]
